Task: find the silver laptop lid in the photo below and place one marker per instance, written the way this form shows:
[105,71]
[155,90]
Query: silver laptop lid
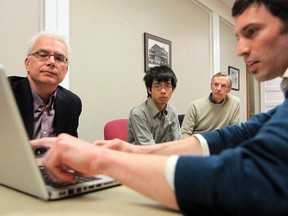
[19,169]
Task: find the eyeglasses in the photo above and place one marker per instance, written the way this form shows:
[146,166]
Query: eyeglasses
[44,56]
[160,87]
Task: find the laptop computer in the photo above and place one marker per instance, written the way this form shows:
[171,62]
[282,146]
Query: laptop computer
[19,168]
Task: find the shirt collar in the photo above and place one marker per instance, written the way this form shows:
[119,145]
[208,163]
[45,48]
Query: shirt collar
[213,101]
[38,102]
[153,109]
[285,73]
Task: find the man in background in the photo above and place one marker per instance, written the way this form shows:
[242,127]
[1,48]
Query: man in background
[215,111]
[155,120]
[46,108]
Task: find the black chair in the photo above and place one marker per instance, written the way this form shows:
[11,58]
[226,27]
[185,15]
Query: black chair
[180,118]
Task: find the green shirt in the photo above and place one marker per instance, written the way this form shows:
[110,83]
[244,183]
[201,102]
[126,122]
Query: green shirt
[149,126]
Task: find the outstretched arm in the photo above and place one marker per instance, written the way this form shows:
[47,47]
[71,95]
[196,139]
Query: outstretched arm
[143,173]
[187,146]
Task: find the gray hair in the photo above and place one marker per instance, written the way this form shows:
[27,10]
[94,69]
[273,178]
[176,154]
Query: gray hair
[223,74]
[54,35]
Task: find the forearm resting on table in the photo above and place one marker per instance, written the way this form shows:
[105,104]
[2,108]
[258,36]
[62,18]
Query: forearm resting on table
[141,172]
[187,146]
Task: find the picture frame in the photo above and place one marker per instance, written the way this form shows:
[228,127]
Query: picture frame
[157,51]
[235,75]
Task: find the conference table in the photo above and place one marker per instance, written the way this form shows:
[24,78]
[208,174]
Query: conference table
[119,200]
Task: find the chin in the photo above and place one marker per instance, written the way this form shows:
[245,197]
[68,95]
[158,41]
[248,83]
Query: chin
[260,77]
[264,78]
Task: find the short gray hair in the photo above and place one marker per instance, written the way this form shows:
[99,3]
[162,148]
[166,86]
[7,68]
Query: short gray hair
[224,74]
[54,35]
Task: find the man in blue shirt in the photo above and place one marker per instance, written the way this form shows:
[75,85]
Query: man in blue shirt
[247,170]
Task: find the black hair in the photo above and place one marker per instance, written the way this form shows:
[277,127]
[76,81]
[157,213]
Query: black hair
[278,8]
[160,74]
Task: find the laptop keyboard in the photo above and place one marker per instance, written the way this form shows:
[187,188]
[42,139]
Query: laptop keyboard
[50,182]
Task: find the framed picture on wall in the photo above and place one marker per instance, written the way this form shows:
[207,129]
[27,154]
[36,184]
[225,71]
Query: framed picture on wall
[157,51]
[235,75]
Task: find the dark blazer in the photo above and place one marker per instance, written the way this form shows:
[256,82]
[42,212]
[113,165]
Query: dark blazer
[248,178]
[68,107]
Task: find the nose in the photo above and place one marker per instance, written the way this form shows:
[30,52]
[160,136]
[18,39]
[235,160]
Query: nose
[51,61]
[51,58]
[242,48]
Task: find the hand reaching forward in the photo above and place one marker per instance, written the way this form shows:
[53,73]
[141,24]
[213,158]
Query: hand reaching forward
[116,144]
[68,153]
[45,142]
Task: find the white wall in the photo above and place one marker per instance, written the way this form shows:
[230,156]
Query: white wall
[108,55]
[107,65]
[228,58]
[19,20]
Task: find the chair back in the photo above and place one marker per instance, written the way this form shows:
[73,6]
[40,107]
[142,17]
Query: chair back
[117,128]
[180,118]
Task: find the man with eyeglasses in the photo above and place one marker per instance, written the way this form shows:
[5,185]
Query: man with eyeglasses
[155,121]
[47,109]
[215,111]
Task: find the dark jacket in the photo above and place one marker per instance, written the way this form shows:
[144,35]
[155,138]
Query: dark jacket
[68,107]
